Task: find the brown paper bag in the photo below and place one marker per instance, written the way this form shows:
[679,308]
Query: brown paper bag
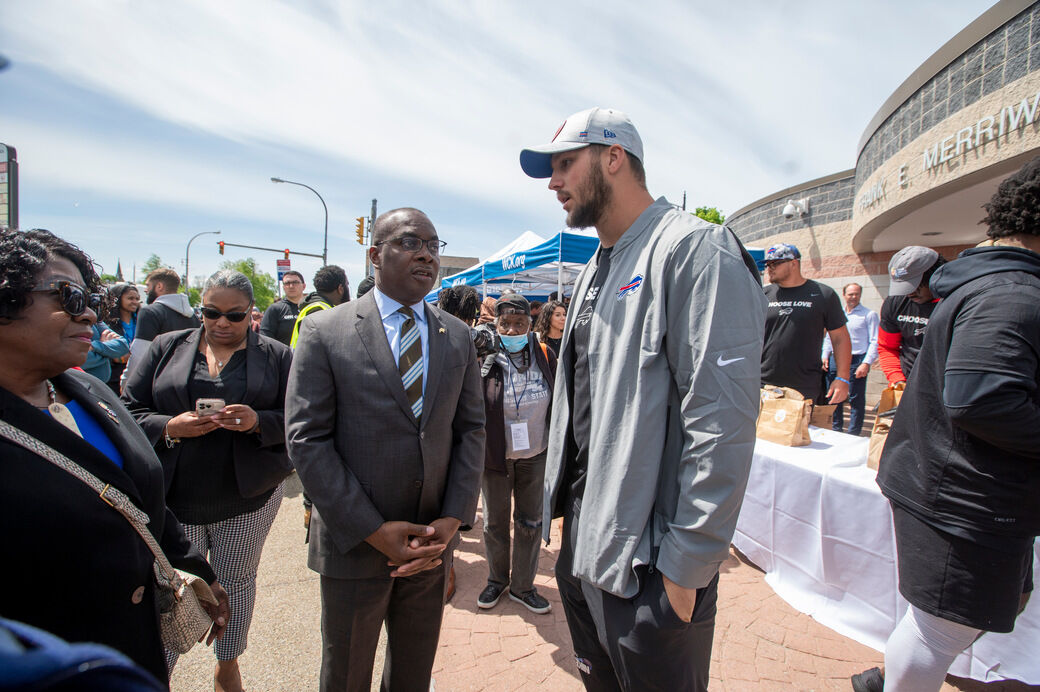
[890,398]
[823,415]
[784,417]
[878,436]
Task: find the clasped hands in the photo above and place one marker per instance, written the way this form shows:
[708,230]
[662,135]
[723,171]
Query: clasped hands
[413,548]
[237,417]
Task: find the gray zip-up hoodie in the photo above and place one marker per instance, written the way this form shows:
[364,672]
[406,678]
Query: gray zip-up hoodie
[674,373]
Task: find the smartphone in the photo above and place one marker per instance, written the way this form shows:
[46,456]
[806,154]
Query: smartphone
[208,407]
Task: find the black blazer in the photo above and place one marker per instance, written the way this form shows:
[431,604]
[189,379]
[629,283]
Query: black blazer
[157,390]
[73,565]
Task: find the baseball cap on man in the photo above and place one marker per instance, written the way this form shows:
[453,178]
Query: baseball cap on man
[591,126]
[512,304]
[782,251]
[907,267]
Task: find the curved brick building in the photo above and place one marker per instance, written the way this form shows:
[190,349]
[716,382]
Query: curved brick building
[931,156]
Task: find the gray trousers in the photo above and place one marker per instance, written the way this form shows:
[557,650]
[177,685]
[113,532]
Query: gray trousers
[352,612]
[521,484]
[637,644]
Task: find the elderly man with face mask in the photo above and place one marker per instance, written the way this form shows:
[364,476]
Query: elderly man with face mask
[518,386]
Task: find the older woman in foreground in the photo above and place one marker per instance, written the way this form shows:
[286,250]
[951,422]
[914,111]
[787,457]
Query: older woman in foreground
[75,566]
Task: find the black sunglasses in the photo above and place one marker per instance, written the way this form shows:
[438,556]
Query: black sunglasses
[214,314]
[74,298]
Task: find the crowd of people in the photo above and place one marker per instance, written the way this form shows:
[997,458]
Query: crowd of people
[628,409]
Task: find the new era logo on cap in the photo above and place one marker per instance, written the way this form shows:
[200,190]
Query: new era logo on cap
[591,126]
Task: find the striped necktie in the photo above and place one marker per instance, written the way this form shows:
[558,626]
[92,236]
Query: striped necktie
[410,362]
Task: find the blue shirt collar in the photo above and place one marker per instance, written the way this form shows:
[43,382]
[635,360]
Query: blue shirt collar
[388,306]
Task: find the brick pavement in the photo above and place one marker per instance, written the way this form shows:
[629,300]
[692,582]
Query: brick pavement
[761,643]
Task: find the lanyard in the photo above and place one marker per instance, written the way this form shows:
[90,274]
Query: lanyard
[512,383]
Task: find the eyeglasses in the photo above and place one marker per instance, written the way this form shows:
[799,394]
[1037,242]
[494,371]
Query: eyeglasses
[74,298]
[292,283]
[410,243]
[773,263]
[214,314]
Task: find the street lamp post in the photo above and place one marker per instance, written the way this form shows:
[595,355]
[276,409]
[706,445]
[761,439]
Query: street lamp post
[325,244]
[187,250]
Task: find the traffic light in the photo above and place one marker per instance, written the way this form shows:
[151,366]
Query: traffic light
[360,230]
[221,244]
[286,253]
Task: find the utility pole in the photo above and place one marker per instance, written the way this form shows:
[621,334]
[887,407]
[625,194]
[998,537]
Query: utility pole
[371,225]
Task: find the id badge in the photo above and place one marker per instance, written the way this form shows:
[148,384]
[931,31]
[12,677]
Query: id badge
[521,441]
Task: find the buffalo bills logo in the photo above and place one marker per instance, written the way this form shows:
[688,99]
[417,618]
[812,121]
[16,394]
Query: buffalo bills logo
[631,287]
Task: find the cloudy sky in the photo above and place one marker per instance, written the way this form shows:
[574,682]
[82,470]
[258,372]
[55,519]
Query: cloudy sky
[141,123]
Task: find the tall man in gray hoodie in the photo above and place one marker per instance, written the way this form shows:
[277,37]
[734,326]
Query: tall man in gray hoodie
[653,423]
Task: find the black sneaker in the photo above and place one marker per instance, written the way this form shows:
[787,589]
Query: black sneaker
[869,681]
[532,601]
[488,598]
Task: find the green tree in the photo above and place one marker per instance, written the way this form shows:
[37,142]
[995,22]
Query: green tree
[109,279]
[151,264]
[710,214]
[264,284]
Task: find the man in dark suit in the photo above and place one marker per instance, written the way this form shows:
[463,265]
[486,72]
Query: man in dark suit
[385,425]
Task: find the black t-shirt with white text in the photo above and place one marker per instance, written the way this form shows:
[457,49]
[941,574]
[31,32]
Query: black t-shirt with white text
[577,461]
[900,315]
[796,319]
[279,319]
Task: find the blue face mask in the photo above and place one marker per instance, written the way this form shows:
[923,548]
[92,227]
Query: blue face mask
[513,344]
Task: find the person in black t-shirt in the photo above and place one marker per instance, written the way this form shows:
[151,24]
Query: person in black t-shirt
[800,311]
[280,317]
[905,313]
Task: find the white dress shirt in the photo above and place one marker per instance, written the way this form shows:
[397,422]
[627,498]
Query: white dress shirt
[863,330]
[393,321]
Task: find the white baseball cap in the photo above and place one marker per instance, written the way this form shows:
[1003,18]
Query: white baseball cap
[591,126]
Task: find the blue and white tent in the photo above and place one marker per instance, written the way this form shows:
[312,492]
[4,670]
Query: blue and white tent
[536,267]
[531,265]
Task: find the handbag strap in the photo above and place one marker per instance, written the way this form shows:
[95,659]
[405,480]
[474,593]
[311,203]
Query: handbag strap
[112,497]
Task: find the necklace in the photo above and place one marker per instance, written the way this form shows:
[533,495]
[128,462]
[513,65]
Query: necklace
[60,412]
[220,361]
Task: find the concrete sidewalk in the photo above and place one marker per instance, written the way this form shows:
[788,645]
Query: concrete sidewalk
[761,643]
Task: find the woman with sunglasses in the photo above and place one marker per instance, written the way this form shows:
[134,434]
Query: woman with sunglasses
[211,400]
[125,300]
[75,566]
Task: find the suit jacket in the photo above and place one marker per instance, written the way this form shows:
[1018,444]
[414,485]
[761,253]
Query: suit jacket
[74,566]
[157,390]
[362,456]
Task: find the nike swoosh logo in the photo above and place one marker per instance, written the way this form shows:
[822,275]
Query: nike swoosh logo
[723,363]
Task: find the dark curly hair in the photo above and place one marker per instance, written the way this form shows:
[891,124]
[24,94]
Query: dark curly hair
[541,325]
[1015,208]
[114,302]
[460,301]
[329,278]
[23,255]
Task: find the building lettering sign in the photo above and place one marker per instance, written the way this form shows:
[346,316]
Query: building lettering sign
[1010,118]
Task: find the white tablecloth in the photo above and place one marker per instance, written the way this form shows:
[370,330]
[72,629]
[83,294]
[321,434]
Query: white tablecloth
[815,521]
